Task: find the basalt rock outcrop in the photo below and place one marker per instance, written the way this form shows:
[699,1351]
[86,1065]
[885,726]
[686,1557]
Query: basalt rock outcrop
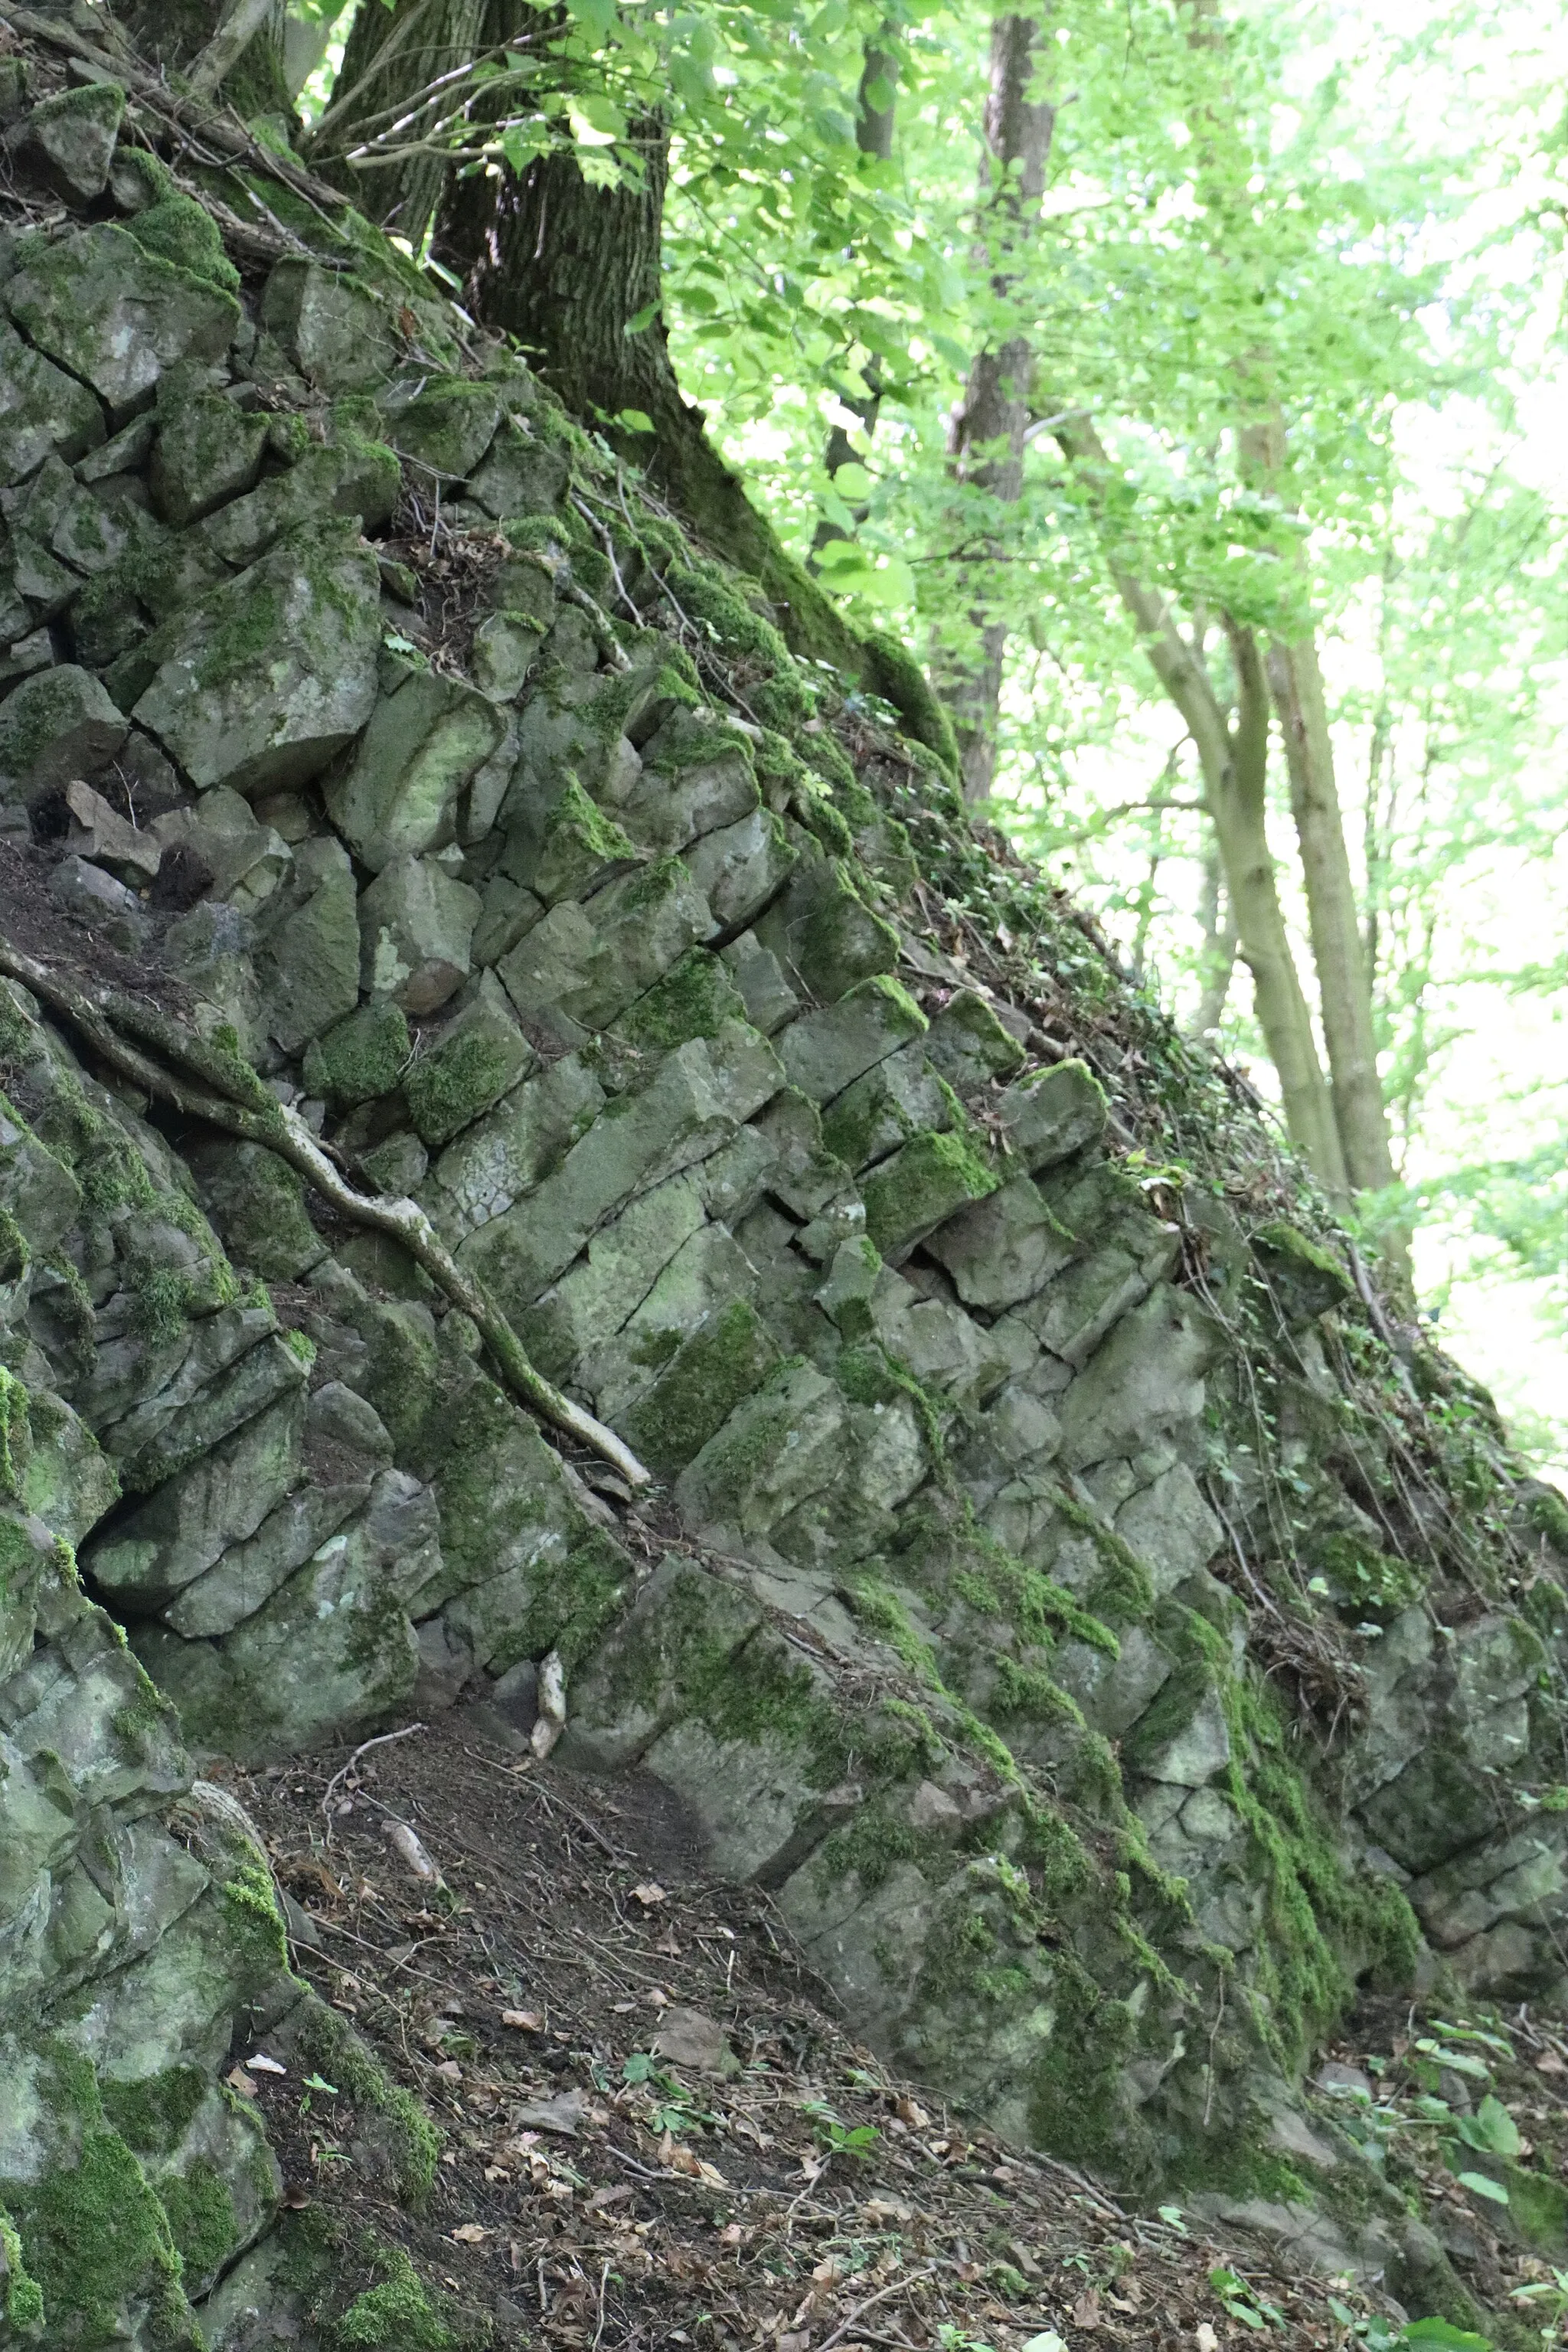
[1106,1637]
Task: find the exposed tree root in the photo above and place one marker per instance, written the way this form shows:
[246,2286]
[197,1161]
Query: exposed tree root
[220,1088]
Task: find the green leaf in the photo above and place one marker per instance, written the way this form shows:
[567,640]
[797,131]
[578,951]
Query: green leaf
[1480,2186]
[636,420]
[641,319]
[596,17]
[1443,2332]
[596,123]
[1491,2127]
[1459,2059]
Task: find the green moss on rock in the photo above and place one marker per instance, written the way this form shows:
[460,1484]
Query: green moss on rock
[24,2306]
[153,2116]
[200,2216]
[360,1057]
[465,1076]
[722,1362]
[694,999]
[922,1185]
[395,2315]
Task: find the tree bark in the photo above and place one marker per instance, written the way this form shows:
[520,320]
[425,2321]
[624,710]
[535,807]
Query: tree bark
[175,33]
[393,54]
[1221,941]
[1344,991]
[985,439]
[1233,761]
[1339,952]
[874,128]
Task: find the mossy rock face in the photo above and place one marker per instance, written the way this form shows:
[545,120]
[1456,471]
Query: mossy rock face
[57,725]
[258,1203]
[207,452]
[1304,1278]
[922,1362]
[466,1071]
[336,332]
[921,1186]
[445,429]
[703,1379]
[361,1056]
[116,315]
[74,133]
[262,682]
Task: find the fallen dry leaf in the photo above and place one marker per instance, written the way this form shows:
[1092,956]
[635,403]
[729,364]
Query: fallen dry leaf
[911,2112]
[239,2080]
[650,1893]
[1549,2063]
[470,2233]
[259,2064]
[1208,2341]
[526,2020]
[1086,2310]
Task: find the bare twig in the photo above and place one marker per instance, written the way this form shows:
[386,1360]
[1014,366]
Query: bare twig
[225,1092]
[381,1740]
[894,2286]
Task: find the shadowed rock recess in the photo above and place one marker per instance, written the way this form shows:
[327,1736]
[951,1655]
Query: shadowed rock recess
[1103,1642]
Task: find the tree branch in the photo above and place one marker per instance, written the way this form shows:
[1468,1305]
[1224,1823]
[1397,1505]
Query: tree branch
[227,46]
[224,1091]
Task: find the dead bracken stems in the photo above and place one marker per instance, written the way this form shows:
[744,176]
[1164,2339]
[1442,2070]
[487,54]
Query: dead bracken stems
[224,1091]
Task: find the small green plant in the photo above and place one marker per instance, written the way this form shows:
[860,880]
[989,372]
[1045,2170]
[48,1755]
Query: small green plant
[1243,2302]
[673,2109]
[835,2135]
[1380,2335]
[1545,2300]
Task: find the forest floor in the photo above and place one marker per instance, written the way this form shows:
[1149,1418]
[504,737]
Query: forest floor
[654,2131]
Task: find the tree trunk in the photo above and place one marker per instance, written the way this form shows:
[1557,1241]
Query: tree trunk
[393,54]
[1219,950]
[1241,820]
[985,439]
[564,268]
[174,33]
[1343,991]
[874,126]
[1235,766]
[1339,952]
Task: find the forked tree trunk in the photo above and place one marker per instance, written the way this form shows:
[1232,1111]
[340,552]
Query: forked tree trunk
[985,440]
[1233,761]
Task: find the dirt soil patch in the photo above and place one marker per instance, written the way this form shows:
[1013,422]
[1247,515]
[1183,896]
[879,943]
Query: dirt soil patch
[655,2132]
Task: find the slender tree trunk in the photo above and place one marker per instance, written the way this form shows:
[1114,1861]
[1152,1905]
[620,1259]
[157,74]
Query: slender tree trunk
[1339,952]
[1344,992]
[876,113]
[985,440]
[1241,821]
[1221,941]
[1233,761]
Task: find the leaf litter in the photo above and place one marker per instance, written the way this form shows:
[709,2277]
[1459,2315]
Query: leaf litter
[654,2130]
